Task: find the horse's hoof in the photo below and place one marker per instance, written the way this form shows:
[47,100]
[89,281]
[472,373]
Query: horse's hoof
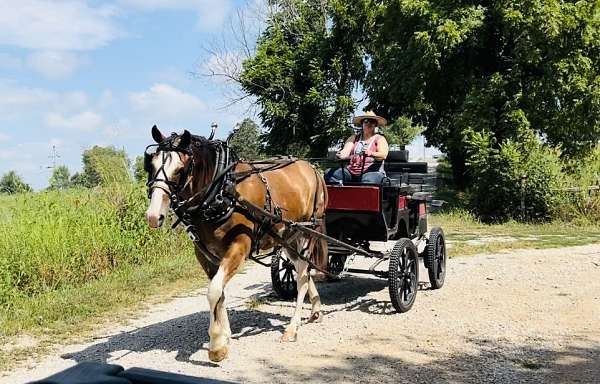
[218,355]
[316,317]
[289,337]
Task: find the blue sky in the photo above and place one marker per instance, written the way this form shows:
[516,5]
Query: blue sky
[74,74]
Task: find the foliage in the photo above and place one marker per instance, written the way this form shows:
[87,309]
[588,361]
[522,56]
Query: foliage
[78,180]
[60,178]
[139,173]
[307,62]
[582,204]
[245,140]
[521,171]
[104,165]
[484,66]
[12,183]
[402,131]
[53,240]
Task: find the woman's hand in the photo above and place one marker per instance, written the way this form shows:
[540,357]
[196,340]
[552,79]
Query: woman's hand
[341,156]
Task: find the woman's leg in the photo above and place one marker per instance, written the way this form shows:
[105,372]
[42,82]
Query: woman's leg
[335,175]
[373,177]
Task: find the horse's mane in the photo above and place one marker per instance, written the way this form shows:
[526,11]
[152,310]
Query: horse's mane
[203,156]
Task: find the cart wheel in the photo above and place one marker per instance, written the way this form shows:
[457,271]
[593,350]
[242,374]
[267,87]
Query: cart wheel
[436,258]
[283,276]
[403,275]
[336,265]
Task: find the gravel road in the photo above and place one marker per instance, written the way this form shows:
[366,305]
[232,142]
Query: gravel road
[530,316]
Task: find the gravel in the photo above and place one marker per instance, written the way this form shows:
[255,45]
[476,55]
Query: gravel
[529,316]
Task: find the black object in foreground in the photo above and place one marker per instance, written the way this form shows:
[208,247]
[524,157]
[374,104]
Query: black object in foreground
[100,373]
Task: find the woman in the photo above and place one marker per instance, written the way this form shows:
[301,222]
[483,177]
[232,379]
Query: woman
[366,152]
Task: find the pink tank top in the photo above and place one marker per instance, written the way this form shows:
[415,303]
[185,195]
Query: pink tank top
[356,158]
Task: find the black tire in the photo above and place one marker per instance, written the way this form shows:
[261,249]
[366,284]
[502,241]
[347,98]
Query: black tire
[403,275]
[283,276]
[436,258]
[335,266]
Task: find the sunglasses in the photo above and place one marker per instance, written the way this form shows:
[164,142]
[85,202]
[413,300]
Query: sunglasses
[369,121]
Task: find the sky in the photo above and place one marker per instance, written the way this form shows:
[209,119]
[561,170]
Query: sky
[74,74]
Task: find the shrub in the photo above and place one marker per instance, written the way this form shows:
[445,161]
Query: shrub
[512,172]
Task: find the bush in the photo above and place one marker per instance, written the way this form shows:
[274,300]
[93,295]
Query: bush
[505,175]
[582,204]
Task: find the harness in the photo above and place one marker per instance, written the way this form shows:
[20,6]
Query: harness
[218,199]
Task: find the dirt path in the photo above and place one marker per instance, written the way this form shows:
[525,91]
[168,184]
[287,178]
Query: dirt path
[531,316]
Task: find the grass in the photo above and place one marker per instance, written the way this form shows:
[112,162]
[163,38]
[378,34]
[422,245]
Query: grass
[468,236]
[73,313]
[74,259]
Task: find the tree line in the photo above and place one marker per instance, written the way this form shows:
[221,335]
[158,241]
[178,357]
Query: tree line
[106,165]
[509,90]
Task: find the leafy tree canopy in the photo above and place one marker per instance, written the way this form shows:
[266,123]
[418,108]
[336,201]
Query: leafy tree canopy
[498,66]
[60,178]
[245,140]
[104,165]
[12,183]
[307,62]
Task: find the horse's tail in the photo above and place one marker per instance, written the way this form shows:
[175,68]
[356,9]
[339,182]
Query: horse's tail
[319,254]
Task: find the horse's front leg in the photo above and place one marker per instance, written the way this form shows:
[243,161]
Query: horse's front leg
[291,331]
[219,329]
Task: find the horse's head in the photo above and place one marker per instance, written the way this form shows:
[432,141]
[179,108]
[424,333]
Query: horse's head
[168,163]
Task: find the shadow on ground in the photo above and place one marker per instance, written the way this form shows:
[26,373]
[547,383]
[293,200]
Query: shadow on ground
[187,334]
[491,362]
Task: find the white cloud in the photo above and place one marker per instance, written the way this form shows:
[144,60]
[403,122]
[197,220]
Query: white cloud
[85,121]
[167,101]
[13,96]
[15,100]
[56,25]
[10,62]
[211,14]
[54,64]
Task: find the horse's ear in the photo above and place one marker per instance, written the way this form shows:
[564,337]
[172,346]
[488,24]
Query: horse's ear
[185,139]
[156,135]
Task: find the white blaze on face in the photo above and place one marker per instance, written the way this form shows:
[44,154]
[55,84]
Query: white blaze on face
[159,199]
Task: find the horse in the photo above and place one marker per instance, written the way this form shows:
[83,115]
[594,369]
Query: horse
[185,170]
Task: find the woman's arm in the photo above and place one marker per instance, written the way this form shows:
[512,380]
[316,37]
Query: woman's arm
[382,149]
[344,153]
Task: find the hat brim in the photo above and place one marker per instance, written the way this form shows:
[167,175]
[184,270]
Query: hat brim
[357,121]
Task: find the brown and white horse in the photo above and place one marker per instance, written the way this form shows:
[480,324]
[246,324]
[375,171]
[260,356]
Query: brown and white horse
[297,189]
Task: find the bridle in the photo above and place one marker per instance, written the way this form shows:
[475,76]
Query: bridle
[174,188]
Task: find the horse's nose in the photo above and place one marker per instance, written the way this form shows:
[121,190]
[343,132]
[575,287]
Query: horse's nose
[154,220]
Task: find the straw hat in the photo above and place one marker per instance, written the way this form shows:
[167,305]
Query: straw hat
[357,121]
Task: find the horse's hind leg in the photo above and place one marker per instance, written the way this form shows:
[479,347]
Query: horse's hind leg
[315,314]
[291,331]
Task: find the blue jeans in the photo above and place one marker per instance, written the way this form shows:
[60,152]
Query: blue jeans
[336,175]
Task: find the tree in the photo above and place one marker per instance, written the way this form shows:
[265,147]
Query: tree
[402,131]
[307,63]
[139,173]
[493,66]
[60,178]
[105,165]
[78,180]
[12,183]
[245,140]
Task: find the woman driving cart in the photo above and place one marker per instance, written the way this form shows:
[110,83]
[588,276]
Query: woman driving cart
[366,151]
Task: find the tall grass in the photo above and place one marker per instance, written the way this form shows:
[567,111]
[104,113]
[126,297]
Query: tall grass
[51,240]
